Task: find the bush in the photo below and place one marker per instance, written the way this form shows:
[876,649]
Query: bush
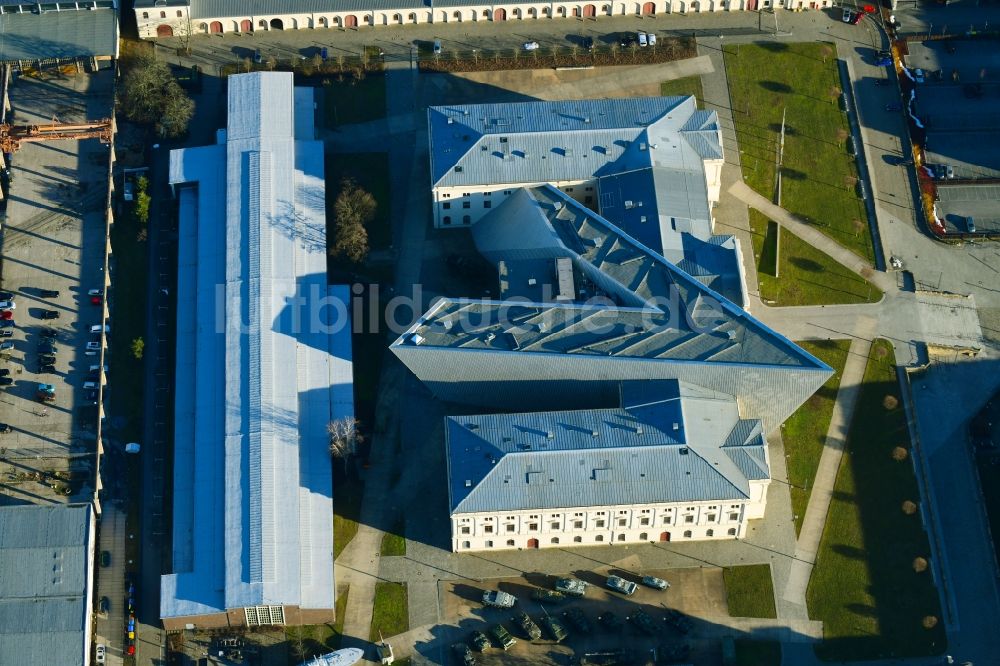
[138,347]
[919,564]
[353,210]
[151,95]
[890,402]
[929,621]
[899,454]
[909,508]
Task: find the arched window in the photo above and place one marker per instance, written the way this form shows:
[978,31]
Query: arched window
[621,537]
[546,11]
[486,13]
[489,544]
[203,27]
[163,15]
[578,539]
[599,537]
[687,534]
[262,24]
[458,16]
[466,219]
[413,17]
[606,9]
[510,542]
[643,537]
[732,531]
[180,13]
[710,533]
[368,19]
[447,220]
[145,15]
[554,540]
[465,544]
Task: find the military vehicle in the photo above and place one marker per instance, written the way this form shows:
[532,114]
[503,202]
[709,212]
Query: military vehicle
[528,626]
[617,657]
[463,654]
[548,596]
[556,628]
[644,623]
[577,619]
[503,637]
[571,587]
[480,641]
[619,584]
[498,599]
[655,583]
[610,621]
[678,620]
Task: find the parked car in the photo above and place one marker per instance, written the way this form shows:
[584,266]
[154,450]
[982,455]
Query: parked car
[5,428]
[7,315]
[555,628]
[548,596]
[531,46]
[6,333]
[588,43]
[49,314]
[48,293]
[949,171]
[4,372]
[480,641]
[105,605]
[918,75]
[258,57]
[437,47]
[97,328]
[8,305]
[579,621]
[6,295]
[619,584]
[91,397]
[47,368]
[610,621]
[6,323]
[503,637]
[848,16]
[643,41]
[105,558]
[651,38]
[6,381]
[6,346]
[100,653]
[46,348]
[628,39]
[970,224]
[655,583]
[132,447]
[128,192]
[45,359]
[49,333]
[93,346]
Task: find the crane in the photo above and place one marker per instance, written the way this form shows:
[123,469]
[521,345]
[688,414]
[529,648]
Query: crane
[12,136]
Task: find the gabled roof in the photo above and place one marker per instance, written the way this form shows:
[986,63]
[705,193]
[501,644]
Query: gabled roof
[76,30]
[549,142]
[669,442]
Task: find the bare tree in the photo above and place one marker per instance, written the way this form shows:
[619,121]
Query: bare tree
[345,436]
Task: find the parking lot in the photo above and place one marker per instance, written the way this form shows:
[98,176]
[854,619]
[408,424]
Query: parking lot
[695,591]
[52,255]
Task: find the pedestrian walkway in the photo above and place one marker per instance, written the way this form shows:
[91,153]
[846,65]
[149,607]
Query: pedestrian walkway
[814,237]
[826,473]
[111,583]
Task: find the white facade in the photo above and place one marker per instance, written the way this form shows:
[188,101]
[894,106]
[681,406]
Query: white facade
[595,526]
[464,205]
[169,21]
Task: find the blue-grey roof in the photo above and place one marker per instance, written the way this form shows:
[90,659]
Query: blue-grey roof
[60,31]
[222,8]
[669,442]
[258,378]
[46,560]
[550,142]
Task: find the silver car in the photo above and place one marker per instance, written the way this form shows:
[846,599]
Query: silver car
[655,583]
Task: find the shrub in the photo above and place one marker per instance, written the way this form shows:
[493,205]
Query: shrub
[919,564]
[890,402]
[909,508]
[929,622]
[899,454]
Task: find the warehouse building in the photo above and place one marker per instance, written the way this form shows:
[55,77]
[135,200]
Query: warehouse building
[259,378]
[39,34]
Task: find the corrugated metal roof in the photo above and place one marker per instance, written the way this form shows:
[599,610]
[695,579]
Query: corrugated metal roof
[548,142]
[253,520]
[667,449]
[64,34]
[223,8]
[45,600]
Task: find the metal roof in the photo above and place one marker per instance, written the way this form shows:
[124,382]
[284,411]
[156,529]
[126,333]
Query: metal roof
[46,560]
[669,442]
[60,34]
[258,378]
[223,8]
[550,142]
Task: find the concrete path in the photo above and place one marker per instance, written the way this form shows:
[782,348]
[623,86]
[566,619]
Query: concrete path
[826,473]
[111,584]
[814,237]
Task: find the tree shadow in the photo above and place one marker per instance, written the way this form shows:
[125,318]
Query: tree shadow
[774,47]
[805,264]
[852,552]
[793,174]
[776,87]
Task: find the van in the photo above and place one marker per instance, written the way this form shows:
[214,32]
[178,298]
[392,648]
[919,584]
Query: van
[970,224]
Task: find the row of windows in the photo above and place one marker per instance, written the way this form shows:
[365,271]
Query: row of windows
[264,615]
[598,523]
[599,538]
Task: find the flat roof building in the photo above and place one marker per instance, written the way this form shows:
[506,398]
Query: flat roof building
[58,31]
[260,373]
[46,582]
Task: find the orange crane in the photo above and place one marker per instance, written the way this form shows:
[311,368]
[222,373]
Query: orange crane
[12,136]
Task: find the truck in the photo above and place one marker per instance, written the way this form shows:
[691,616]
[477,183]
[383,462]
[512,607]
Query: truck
[528,626]
[619,584]
[498,599]
[572,587]
[503,637]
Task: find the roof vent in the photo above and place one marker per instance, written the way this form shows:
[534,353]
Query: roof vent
[594,433]
[472,426]
[541,327]
[629,203]
[468,483]
[677,426]
[642,145]
[417,339]
[684,451]
[638,430]
[446,324]
[586,120]
[557,205]
[490,337]
[642,218]
[451,121]
[465,112]
[550,435]
[532,282]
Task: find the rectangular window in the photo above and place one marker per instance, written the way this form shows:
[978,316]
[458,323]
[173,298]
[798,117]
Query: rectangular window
[666,520]
[622,522]
[711,517]
[487,204]
[599,523]
[578,525]
[569,189]
[533,527]
[588,189]
[734,516]
[644,521]
[466,530]
[555,526]
[510,528]
[446,205]
[489,544]
[488,529]
[264,615]
[487,194]
[688,519]
[466,204]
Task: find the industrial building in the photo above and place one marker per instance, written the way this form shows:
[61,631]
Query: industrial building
[39,34]
[46,582]
[260,373]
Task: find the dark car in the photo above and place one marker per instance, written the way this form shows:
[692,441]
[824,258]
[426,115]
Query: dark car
[49,314]
[6,323]
[6,296]
[48,293]
[46,348]
[105,605]
[6,346]
[45,359]
[4,373]
[105,558]
[49,333]
[6,381]
[6,333]
[588,43]
[258,57]
[5,427]
[91,396]
[47,367]
[611,621]
[627,39]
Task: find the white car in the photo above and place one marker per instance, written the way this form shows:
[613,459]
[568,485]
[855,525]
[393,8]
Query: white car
[129,190]
[918,75]
[651,37]
[619,584]
[531,46]
[96,328]
[848,16]
[93,346]
[643,40]
[132,447]
[8,305]
[100,653]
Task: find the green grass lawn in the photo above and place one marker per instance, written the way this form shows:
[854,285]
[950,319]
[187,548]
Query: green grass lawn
[864,588]
[352,101]
[688,85]
[390,613]
[750,591]
[804,433]
[347,493]
[394,543]
[818,174]
[758,653]
[371,172]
